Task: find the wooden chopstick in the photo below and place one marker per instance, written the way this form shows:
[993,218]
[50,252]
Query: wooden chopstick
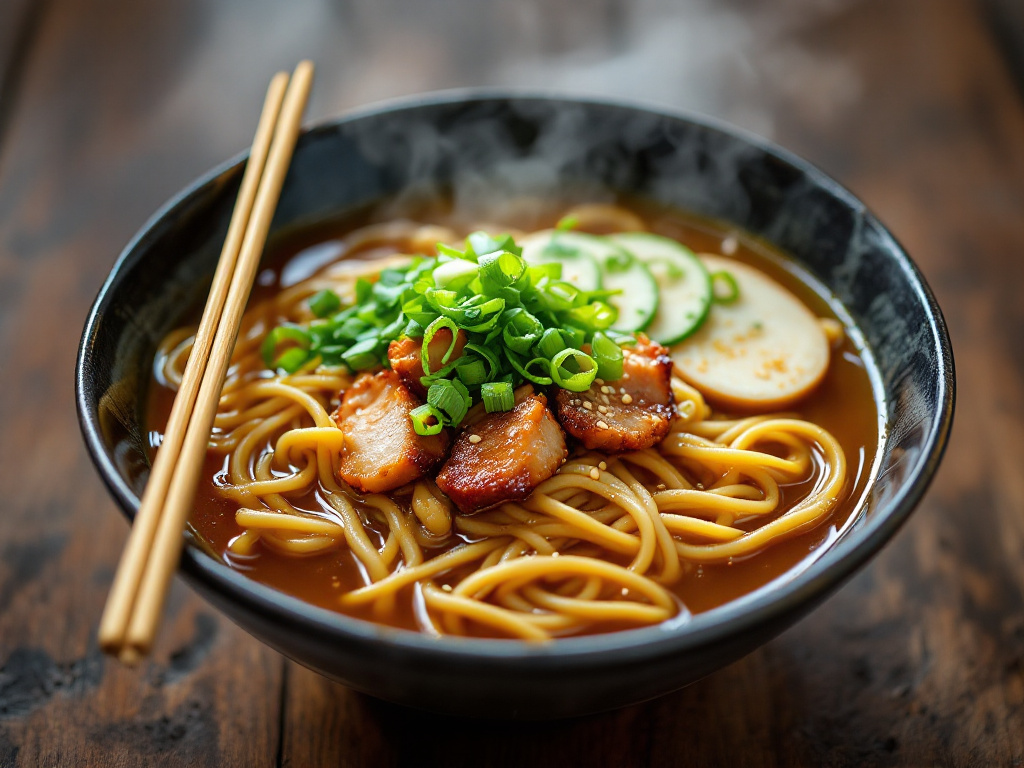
[135,603]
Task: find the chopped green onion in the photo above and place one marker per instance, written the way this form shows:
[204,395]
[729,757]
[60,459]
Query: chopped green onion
[561,295]
[481,244]
[724,288]
[446,250]
[582,378]
[493,362]
[551,343]
[471,371]
[524,369]
[522,330]
[420,417]
[362,355]
[500,270]
[451,398]
[596,316]
[324,303]
[292,359]
[519,322]
[608,356]
[497,396]
[455,274]
[350,329]
[289,335]
[428,335]
[363,290]
[566,223]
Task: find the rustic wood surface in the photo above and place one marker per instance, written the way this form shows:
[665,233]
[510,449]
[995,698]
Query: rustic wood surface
[107,107]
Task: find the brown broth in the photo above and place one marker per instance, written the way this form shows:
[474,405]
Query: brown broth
[845,404]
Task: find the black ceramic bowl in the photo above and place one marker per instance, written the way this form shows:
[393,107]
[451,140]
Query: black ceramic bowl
[514,145]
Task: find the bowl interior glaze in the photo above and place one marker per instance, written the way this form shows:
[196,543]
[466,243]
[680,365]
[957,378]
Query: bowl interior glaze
[479,148]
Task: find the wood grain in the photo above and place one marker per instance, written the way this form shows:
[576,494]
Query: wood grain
[19,23]
[912,103]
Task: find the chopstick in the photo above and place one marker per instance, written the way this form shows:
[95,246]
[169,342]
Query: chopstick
[135,602]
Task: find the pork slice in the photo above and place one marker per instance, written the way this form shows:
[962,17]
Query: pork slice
[503,457]
[405,357]
[382,450]
[630,414]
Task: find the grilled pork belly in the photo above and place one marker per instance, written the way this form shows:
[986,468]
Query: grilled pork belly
[382,450]
[405,357]
[630,414]
[503,457]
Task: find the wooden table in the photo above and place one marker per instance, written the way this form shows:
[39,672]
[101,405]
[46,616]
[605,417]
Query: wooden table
[107,107]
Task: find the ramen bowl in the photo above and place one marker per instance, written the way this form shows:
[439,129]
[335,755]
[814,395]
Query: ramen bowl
[469,146]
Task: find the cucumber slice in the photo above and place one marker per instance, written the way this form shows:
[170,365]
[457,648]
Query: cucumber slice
[579,255]
[638,302]
[683,281]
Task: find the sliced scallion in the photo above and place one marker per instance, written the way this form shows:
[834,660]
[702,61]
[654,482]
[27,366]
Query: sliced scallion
[578,380]
[428,335]
[608,356]
[497,396]
[426,420]
[324,303]
[724,288]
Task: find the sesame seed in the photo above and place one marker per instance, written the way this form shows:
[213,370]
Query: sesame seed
[474,439]
[599,382]
[627,399]
[595,473]
[661,486]
[602,465]
[588,405]
[446,587]
[603,408]
[607,390]
[605,399]
[602,425]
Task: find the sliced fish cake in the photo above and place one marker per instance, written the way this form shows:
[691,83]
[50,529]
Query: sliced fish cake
[765,350]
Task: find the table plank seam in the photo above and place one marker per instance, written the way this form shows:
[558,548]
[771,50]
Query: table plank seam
[12,71]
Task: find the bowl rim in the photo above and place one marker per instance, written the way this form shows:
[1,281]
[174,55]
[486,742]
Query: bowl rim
[808,586]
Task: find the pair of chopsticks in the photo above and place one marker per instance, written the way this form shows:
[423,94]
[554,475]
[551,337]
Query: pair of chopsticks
[135,603]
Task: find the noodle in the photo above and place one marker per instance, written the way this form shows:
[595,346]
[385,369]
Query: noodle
[595,547]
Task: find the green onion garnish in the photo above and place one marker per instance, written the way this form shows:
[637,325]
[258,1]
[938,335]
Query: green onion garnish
[520,323]
[450,397]
[362,355]
[497,396]
[608,356]
[428,335]
[324,303]
[426,420]
[472,371]
[724,288]
[578,380]
[286,346]
[551,342]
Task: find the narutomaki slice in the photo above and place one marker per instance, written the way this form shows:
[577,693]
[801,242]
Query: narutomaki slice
[503,457]
[630,414]
[382,450]
[765,350]
[405,357]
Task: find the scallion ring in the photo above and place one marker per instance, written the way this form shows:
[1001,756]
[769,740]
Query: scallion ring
[582,378]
